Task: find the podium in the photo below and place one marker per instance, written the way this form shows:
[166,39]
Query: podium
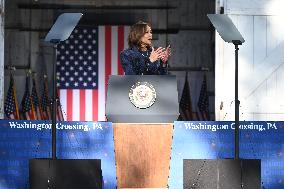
[143,130]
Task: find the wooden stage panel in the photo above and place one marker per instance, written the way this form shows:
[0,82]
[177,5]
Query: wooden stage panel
[142,153]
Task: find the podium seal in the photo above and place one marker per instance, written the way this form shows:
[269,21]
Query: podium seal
[142,95]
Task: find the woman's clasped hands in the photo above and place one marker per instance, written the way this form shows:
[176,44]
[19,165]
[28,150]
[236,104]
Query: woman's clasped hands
[160,53]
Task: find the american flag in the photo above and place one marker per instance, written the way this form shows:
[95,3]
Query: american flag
[185,105]
[45,102]
[203,101]
[35,102]
[26,104]
[11,107]
[84,64]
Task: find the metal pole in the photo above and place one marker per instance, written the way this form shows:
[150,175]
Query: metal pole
[54,101]
[237,102]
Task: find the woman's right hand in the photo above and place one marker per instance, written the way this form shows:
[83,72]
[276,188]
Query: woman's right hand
[156,54]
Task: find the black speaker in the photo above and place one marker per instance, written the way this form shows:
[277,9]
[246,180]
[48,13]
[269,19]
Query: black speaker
[65,174]
[222,174]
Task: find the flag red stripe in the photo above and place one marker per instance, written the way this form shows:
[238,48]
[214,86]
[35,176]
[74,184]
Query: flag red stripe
[95,105]
[120,47]
[107,54]
[28,116]
[82,105]
[69,105]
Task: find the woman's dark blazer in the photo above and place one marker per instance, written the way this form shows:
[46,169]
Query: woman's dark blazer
[135,62]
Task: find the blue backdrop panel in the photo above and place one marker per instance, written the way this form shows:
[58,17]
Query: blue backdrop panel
[215,140]
[23,140]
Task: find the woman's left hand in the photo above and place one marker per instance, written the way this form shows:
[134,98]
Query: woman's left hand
[166,54]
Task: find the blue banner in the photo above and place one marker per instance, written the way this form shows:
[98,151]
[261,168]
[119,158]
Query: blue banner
[215,140]
[24,140]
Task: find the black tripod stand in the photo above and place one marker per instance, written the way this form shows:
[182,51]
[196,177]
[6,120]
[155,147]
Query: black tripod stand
[230,34]
[60,31]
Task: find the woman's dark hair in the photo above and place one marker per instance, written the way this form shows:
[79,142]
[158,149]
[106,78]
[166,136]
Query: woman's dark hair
[136,32]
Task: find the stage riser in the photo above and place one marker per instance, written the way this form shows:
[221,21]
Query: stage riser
[221,174]
[65,174]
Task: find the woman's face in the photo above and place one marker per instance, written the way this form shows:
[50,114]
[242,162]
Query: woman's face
[146,39]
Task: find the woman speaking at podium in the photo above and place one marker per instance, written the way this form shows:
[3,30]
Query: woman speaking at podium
[141,58]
